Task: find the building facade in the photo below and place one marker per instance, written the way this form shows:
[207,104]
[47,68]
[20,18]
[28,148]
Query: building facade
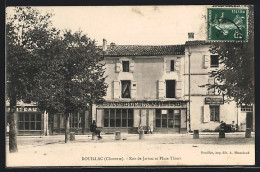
[149,86]
[145,88]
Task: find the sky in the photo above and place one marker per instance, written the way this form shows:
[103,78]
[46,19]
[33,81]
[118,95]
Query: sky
[132,25]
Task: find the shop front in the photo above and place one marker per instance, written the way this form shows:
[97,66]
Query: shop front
[30,121]
[162,116]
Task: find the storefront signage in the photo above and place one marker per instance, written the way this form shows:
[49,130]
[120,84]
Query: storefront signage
[143,104]
[25,109]
[210,100]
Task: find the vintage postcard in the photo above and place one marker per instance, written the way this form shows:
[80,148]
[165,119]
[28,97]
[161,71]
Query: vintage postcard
[99,86]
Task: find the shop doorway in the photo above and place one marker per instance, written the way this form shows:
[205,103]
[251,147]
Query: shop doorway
[249,120]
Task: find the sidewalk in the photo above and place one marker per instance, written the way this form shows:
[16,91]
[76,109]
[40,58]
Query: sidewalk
[205,138]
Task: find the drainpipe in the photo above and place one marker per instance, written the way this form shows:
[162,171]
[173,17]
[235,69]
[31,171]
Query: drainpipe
[189,90]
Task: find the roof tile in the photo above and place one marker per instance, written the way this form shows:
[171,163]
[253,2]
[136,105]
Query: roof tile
[144,50]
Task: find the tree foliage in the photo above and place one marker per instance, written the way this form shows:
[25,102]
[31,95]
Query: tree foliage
[71,75]
[236,79]
[27,32]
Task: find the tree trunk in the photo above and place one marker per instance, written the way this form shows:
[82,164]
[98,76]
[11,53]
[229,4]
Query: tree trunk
[67,128]
[13,127]
[83,122]
[90,114]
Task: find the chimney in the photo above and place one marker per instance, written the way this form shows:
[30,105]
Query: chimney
[104,44]
[112,44]
[190,36]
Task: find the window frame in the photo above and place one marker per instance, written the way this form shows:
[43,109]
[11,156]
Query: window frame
[129,118]
[245,108]
[75,120]
[214,65]
[175,119]
[125,69]
[22,123]
[172,65]
[122,94]
[213,107]
[174,96]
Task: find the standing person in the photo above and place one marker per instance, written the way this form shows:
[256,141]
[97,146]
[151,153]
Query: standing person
[93,128]
[150,129]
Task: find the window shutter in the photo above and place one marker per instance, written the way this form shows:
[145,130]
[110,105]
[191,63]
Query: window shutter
[206,61]
[151,118]
[131,66]
[136,117]
[206,113]
[167,65]
[211,81]
[177,64]
[133,90]
[100,117]
[183,119]
[118,67]
[143,117]
[179,88]
[116,89]
[161,89]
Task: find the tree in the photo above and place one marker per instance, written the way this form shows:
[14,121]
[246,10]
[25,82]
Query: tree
[27,31]
[236,79]
[71,77]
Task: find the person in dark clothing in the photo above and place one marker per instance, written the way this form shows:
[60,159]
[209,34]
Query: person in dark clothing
[223,125]
[93,128]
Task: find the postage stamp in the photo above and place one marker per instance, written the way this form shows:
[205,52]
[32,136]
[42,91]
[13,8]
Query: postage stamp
[227,24]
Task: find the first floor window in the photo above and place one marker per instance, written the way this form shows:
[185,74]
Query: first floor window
[118,118]
[214,61]
[75,120]
[29,121]
[170,88]
[167,118]
[214,113]
[126,89]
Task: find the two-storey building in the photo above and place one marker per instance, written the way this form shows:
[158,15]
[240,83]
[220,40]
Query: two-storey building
[145,88]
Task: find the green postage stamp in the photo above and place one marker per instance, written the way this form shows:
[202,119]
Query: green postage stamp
[227,24]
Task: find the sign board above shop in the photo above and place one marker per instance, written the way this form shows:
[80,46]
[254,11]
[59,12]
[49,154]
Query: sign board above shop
[25,109]
[210,100]
[144,104]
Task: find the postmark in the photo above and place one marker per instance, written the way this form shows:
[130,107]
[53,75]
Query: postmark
[227,24]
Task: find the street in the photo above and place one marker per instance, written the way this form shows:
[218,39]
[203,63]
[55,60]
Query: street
[153,150]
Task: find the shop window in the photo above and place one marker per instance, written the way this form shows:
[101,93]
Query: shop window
[214,113]
[118,118]
[172,65]
[125,66]
[214,62]
[126,89]
[75,120]
[167,118]
[247,108]
[170,88]
[29,121]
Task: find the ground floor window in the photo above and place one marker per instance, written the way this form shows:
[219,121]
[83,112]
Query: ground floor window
[118,118]
[75,120]
[214,113]
[29,121]
[167,118]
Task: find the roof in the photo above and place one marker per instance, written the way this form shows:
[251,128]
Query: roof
[144,50]
[196,42]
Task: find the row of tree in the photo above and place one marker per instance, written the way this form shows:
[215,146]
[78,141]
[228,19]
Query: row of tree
[61,71]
